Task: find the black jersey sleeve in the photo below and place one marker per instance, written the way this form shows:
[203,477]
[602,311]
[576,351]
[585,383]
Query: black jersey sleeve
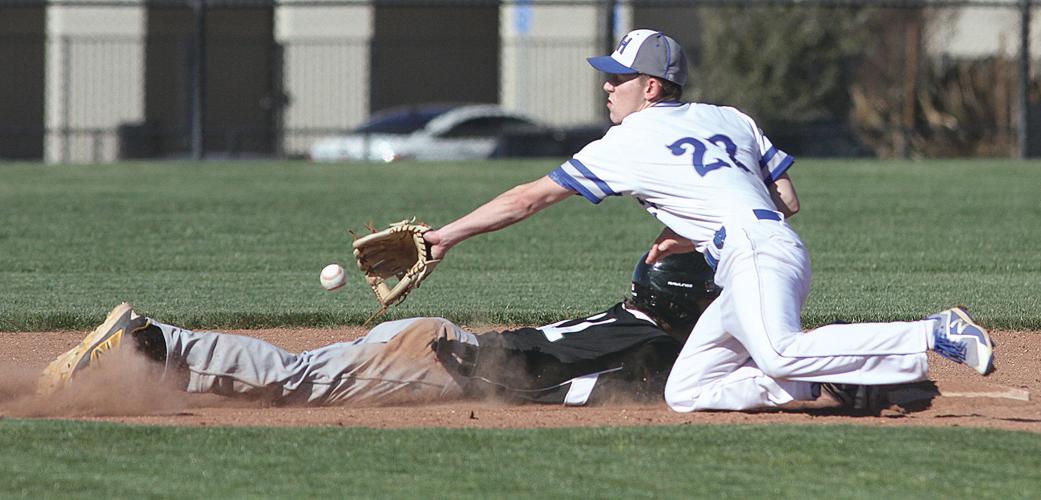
[613,354]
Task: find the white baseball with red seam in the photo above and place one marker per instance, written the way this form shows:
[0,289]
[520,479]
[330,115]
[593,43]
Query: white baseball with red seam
[333,277]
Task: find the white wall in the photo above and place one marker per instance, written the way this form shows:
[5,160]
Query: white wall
[544,69]
[973,32]
[95,54]
[326,52]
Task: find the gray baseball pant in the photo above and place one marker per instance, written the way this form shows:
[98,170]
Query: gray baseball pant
[394,363]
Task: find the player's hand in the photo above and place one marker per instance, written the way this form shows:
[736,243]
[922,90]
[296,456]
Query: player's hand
[437,249]
[668,243]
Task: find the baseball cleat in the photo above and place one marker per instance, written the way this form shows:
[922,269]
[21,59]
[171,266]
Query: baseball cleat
[872,400]
[121,322]
[854,397]
[959,339]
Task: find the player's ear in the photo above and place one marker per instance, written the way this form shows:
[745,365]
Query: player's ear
[651,89]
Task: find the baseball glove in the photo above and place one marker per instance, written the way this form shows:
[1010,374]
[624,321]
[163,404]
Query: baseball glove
[397,252]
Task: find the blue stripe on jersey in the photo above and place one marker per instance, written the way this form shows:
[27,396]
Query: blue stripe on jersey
[710,260]
[786,163]
[604,188]
[765,160]
[565,180]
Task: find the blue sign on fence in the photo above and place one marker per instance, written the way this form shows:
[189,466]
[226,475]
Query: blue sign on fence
[522,16]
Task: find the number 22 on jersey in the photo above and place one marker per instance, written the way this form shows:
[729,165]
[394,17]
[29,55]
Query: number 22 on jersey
[698,150]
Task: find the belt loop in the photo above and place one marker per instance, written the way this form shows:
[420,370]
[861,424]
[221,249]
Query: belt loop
[763,214]
[721,236]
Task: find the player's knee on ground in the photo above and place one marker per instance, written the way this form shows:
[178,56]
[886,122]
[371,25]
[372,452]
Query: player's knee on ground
[680,395]
[678,402]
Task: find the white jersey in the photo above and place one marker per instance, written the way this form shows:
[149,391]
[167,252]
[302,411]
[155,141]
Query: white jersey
[689,164]
[705,171]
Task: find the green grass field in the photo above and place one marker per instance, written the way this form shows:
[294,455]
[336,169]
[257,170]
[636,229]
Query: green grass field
[65,459]
[224,245]
[241,244]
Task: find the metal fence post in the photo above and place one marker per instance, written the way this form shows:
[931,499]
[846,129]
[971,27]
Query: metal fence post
[609,25]
[66,100]
[610,22]
[276,101]
[1023,132]
[96,143]
[199,82]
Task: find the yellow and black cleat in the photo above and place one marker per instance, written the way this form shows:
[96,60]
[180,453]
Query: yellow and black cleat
[120,323]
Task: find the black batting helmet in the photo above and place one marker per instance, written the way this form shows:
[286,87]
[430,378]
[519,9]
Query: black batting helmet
[674,290]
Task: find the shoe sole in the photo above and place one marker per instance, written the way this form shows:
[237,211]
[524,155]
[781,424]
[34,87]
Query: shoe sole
[59,371]
[984,350]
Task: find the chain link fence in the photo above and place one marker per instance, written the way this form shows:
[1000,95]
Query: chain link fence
[106,80]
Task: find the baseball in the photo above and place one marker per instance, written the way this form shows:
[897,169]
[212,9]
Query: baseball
[333,277]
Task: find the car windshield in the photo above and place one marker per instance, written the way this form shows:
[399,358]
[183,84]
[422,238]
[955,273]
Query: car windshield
[401,121]
[489,126]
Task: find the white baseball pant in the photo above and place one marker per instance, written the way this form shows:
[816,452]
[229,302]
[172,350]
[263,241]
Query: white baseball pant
[748,349]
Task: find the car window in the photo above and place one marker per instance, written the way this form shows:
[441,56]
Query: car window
[400,122]
[487,126]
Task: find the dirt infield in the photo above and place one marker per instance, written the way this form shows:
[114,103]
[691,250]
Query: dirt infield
[1008,399]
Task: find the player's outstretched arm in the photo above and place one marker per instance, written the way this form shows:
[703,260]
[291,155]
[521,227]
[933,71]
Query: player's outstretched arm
[508,208]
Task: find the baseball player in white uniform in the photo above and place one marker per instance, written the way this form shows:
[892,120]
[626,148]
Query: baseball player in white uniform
[720,187]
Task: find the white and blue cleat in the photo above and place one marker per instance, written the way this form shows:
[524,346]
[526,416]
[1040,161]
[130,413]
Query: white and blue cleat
[959,339]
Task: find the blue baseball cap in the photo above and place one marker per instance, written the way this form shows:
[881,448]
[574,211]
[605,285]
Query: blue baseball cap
[645,51]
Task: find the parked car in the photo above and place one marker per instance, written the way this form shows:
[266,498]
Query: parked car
[549,142]
[430,132]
